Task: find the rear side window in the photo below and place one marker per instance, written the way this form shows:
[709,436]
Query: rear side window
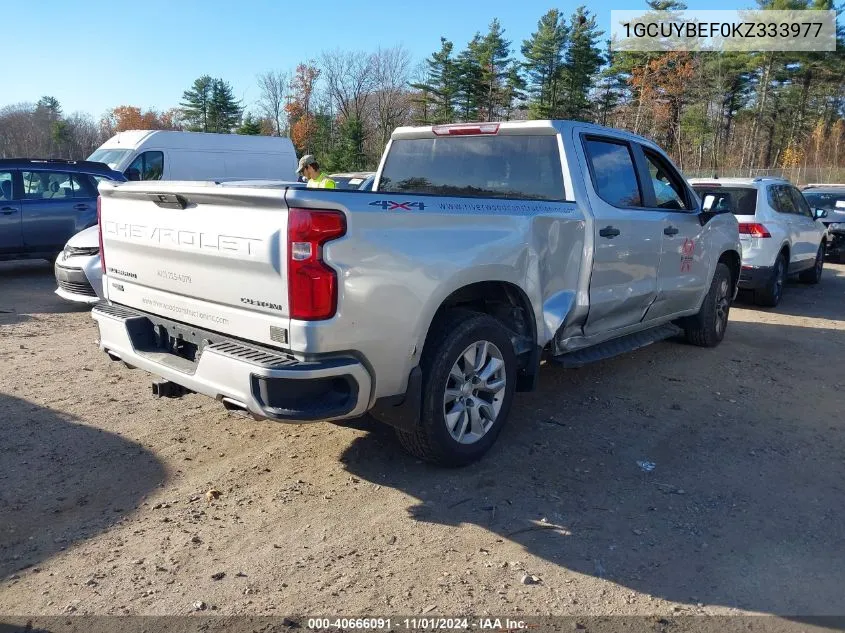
[737,200]
[614,176]
[46,185]
[82,186]
[501,166]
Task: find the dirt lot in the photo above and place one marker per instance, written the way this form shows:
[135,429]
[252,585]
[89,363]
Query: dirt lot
[103,506]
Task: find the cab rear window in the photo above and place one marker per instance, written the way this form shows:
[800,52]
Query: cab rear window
[500,166]
[737,200]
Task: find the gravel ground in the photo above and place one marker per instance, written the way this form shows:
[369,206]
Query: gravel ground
[114,502]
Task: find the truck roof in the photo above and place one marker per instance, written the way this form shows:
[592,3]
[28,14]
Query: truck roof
[169,139]
[737,182]
[546,126]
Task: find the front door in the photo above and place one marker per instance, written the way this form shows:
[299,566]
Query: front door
[11,239]
[683,276]
[809,229]
[627,238]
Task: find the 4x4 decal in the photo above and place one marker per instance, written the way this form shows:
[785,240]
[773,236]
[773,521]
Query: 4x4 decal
[390,205]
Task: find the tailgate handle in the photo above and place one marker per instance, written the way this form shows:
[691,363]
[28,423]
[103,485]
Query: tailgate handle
[169,200]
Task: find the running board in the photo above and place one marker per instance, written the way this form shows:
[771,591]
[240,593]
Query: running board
[617,346]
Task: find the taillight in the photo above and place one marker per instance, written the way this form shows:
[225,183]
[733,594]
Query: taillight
[466,129]
[100,233]
[312,285]
[754,229]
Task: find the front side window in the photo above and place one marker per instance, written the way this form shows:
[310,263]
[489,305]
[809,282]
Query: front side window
[800,203]
[495,166]
[147,166]
[613,172]
[668,187]
[780,199]
[46,185]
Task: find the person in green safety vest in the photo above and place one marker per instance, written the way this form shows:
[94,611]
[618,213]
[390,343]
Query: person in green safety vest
[310,168]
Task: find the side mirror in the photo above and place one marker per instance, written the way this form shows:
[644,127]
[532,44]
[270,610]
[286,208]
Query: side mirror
[818,214]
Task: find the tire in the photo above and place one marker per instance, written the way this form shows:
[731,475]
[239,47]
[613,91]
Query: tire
[814,275]
[770,295]
[707,328]
[476,415]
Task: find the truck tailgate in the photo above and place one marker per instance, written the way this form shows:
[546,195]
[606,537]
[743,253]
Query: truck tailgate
[228,276]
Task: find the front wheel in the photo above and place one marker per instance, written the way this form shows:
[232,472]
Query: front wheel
[469,375]
[814,275]
[707,328]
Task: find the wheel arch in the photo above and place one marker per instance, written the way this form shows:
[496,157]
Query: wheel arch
[506,302]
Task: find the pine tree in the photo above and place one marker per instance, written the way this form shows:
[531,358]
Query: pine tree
[543,53]
[514,93]
[494,59]
[440,87]
[348,154]
[210,106]
[581,63]
[50,106]
[470,86]
[225,110]
[197,103]
[250,125]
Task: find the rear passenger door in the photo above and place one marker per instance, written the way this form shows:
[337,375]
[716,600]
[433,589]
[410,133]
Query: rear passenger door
[627,237]
[11,239]
[50,213]
[684,269]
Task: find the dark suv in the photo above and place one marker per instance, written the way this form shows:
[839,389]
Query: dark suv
[43,203]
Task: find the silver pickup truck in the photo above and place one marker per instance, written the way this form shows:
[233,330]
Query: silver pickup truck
[426,301]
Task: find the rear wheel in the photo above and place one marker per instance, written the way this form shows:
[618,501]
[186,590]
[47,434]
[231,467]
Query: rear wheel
[814,275]
[469,375]
[707,328]
[770,295]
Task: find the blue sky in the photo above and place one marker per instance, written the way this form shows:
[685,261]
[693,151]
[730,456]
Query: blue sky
[93,55]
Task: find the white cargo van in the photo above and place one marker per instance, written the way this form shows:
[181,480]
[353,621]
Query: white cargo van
[166,155]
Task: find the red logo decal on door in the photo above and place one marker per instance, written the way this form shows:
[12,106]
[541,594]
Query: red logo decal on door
[687,251]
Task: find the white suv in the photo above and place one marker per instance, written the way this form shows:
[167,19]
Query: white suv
[780,234]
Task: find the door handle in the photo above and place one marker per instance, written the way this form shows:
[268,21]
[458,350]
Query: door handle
[80,207]
[609,232]
[670,230]
[8,210]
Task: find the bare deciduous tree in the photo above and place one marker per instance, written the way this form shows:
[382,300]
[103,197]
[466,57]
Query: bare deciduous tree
[391,70]
[275,91]
[349,81]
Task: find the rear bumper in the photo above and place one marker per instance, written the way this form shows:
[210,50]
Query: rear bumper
[266,383]
[755,277]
